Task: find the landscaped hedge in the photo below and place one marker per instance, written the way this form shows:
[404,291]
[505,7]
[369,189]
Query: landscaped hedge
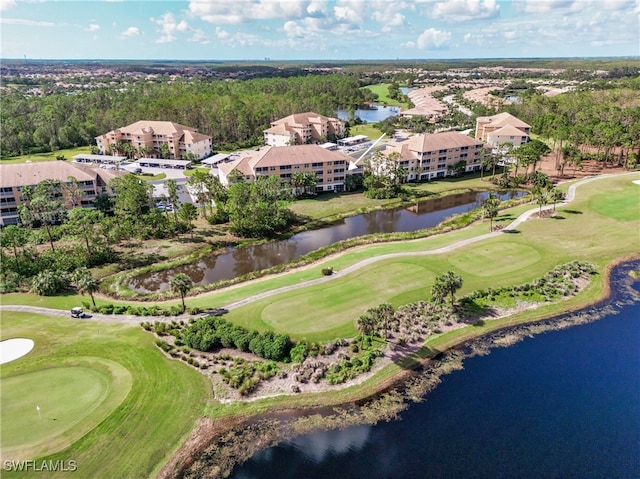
[212,332]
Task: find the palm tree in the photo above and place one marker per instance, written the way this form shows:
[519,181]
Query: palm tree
[446,285]
[490,209]
[365,325]
[297,182]
[555,196]
[181,283]
[86,283]
[541,195]
[385,314]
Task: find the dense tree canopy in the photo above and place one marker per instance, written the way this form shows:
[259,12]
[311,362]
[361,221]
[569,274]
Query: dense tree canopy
[234,113]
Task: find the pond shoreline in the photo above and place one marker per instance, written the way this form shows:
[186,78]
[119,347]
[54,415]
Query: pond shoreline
[245,434]
[119,288]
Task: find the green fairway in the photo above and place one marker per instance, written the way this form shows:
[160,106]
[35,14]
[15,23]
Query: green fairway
[120,406]
[489,259]
[330,309]
[622,205]
[71,399]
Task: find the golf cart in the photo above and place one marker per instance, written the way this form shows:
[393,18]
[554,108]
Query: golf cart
[77,312]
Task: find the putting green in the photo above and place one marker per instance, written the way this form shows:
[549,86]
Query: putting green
[72,399]
[337,304]
[492,259]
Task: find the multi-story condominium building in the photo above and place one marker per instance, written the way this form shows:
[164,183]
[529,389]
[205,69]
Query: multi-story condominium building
[502,128]
[303,128]
[147,137]
[329,166]
[91,182]
[427,156]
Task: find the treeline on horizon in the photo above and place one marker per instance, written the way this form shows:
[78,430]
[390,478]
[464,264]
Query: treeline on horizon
[234,113]
[585,63]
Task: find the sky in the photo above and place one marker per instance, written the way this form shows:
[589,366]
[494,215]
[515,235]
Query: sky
[317,29]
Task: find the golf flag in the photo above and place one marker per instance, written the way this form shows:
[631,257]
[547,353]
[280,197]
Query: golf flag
[38,409]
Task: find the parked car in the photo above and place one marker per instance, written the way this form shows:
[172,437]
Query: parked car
[77,312]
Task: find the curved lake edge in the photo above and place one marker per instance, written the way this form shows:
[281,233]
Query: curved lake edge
[218,445]
[117,285]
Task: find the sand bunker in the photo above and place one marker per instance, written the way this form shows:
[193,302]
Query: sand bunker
[637,182]
[12,349]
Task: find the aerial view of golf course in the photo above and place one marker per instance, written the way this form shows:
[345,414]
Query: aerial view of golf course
[98,396]
[336,239]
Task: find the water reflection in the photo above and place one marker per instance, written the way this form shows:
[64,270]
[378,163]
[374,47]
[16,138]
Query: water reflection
[564,404]
[241,261]
[373,115]
[315,448]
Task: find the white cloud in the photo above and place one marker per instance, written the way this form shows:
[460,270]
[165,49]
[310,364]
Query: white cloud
[433,38]
[199,37]
[548,6]
[26,23]
[169,27]
[7,4]
[130,32]
[293,30]
[240,11]
[464,10]
[222,34]
[93,27]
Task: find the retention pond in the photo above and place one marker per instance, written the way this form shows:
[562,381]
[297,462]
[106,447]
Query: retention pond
[240,261]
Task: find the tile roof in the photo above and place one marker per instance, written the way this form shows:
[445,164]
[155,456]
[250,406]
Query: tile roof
[508,130]
[440,141]
[166,128]
[24,174]
[283,155]
[504,119]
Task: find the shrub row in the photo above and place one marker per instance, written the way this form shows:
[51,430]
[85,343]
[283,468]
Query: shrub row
[213,332]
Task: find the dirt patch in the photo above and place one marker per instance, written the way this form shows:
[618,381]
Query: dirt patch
[548,165]
[205,431]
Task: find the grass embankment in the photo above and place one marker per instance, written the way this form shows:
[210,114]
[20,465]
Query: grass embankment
[49,156]
[109,399]
[382,90]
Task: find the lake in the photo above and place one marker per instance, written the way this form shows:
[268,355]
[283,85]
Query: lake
[564,404]
[373,115]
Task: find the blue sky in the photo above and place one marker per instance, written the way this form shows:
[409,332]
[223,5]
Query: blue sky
[318,29]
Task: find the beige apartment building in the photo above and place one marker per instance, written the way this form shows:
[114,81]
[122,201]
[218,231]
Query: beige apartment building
[428,156]
[151,135]
[330,166]
[91,182]
[502,128]
[302,128]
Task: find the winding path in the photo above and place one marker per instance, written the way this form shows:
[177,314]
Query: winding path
[571,193]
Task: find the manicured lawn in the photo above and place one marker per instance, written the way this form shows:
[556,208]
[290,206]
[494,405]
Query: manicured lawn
[328,205]
[366,129]
[51,156]
[118,401]
[72,399]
